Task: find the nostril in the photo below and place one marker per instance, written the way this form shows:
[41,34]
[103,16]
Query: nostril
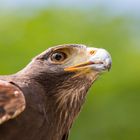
[92,52]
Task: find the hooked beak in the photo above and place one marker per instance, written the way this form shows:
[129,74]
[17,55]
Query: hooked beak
[97,59]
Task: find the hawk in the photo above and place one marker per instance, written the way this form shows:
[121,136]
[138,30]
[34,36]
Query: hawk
[41,101]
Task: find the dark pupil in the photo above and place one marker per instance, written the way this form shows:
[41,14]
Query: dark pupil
[58,56]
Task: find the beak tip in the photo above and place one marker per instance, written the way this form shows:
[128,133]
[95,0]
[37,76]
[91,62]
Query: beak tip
[109,67]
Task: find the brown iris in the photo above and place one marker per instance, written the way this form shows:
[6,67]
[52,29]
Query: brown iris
[58,57]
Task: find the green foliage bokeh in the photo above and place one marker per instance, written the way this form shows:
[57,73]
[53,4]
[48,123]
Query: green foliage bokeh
[111,111]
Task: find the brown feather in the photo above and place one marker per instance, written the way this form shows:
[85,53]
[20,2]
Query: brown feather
[12,101]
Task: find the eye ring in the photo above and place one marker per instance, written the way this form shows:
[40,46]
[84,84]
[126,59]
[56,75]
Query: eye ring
[58,57]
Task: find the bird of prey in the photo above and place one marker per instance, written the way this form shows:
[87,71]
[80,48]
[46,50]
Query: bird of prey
[42,101]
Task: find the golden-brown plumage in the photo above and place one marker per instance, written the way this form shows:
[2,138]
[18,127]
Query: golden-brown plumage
[54,86]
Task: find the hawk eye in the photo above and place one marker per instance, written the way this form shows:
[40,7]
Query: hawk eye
[58,56]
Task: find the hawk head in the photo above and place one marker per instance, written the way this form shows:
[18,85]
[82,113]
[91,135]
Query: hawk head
[66,72]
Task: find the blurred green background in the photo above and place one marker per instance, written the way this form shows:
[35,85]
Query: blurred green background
[112,109]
